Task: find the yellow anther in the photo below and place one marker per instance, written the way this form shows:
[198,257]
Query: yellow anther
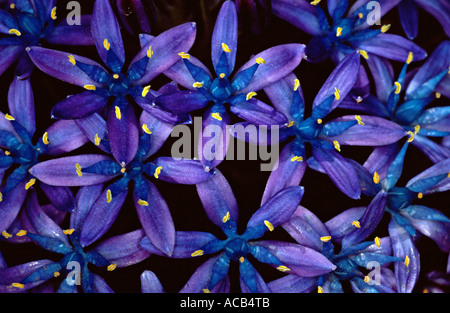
[319,121]
[416,129]
[53,13]
[30,183]
[319,289]
[356,224]
[385,28]
[6,234]
[269,225]
[337,93]
[145,91]
[407,261]
[111,267]
[297,159]
[410,57]
[78,168]
[90,87]
[56,274]
[184,55]
[108,196]
[225,47]
[325,238]
[216,116]
[222,75]
[338,31]
[12,6]
[18,285]
[296,84]
[149,52]
[45,138]
[1,197]
[398,88]
[376,178]
[7,152]
[116,76]
[21,233]
[360,15]
[146,129]
[377,241]
[420,195]
[157,172]
[242,259]
[364,54]
[205,290]
[118,113]
[411,136]
[72,59]
[438,95]
[68,231]
[315,2]
[142,202]
[260,61]
[250,95]
[197,253]
[366,279]
[97,140]
[290,123]
[359,119]
[198,84]
[226,218]
[283,268]
[123,170]
[337,146]
[106,44]
[15,32]
[9,117]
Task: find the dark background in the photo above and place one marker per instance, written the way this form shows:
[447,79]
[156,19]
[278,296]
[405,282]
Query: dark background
[245,177]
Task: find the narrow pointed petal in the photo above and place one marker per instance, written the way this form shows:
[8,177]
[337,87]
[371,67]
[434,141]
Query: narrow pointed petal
[340,171]
[94,128]
[293,284]
[60,197]
[341,224]
[21,104]
[441,168]
[18,273]
[180,74]
[409,18]
[183,101]
[299,13]
[63,171]
[150,283]
[380,159]
[85,198]
[160,131]
[434,151]
[180,171]
[258,113]
[218,199]
[65,34]
[201,277]
[395,169]
[250,280]
[383,75]
[11,204]
[8,55]
[64,136]
[281,92]
[79,105]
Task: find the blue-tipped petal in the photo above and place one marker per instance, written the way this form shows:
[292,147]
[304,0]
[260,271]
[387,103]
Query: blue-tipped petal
[150,283]
[183,101]
[409,18]
[21,104]
[395,169]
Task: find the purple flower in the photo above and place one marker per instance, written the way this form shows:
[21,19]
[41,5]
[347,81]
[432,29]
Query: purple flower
[221,207]
[103,85]
[29,23]
[203,89]
[310,232]
[20,152]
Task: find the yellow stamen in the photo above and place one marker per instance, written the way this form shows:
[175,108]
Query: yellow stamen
[398,88]
[407,261]
[197,253]
[116,76]
[7,153]
[72,59]
[283,268]
[146,129]
[21,233]
[338,31]
[360,15]
[250,95]
[118,113]
[157,171]
[184,55]
[30,183]
[358,118]
[45,138]
[222,75]
[376,178]
[290,123]
[149,52]
[319,289]
[438,95]
[6,234]
[420,195]
[108,196]
[197,85]
[319,121]
[53,14]
[56,274]
[410,57]
[356,224]
[106,44]
[123,170]
[364,54]
[241,259]
[377,241]
[296,84]
[315,2]
[260,61]
[269,225]
[206,290]
[18,285]
[9,117]
[15,32]
[78,168]
[142,202]
[12,6]
[97,140]
[366,279]
[337,93]
[145,91]
[226,218]
[216,116]
[325,238]
[297,159]
[225,47]
[111,267]
[90,87]
[337,146]
[69,231]
[385,28]
[1,197]
[416,129]
[411,136]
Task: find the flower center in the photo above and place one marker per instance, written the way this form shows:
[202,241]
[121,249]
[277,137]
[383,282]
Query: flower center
[221,89]
[236,248]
